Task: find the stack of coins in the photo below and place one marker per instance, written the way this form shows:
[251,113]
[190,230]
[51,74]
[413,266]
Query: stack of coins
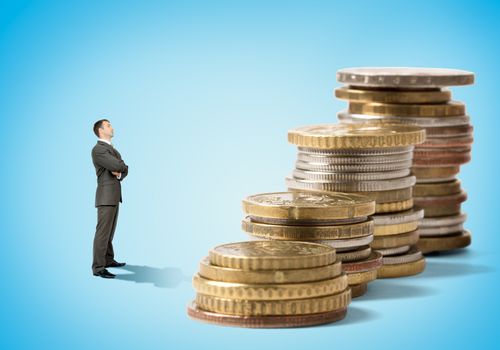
[373,160]
[266,284]
[418,96]
[339,220]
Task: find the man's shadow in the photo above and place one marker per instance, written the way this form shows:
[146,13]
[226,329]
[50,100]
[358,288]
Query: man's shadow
[167,277]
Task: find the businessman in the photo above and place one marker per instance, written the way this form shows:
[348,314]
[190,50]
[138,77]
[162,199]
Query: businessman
[110,170]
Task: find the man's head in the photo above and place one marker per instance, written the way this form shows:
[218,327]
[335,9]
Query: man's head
[103,129]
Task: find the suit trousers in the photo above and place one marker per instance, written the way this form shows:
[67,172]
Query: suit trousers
[107,217]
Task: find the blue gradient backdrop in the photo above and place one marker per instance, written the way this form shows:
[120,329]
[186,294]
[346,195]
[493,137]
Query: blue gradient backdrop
[201,95]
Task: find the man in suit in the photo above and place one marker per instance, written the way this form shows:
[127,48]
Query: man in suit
[110,170]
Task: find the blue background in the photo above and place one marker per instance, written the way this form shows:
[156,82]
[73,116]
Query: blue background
[201,95]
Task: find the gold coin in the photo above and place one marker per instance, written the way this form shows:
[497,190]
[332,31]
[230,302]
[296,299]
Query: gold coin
[387,242]
[442,243]
[269,291]
[304,233]
[436,189]
[392,96]
[450,109]
[354,255]
[225,274]
[445,210]
[362,135]
[435,172]
[271,255]
[362,277]
[388,230]
[402,270]
[274,307]
[358,290]
[394,206]
[308,205]
[398,195]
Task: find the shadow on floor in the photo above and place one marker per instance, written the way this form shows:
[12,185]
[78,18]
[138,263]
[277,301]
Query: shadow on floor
[435,268]
[356,315]
[394,289]
[167,277]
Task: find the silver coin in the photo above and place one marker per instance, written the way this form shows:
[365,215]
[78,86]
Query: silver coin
[402,217]
[349,243]
[444,221]
[394,251]
[358,186]
[412,255]
[404,77]
[352,168]
[355,160]
[361,152]
[345,117]
[440,231]
[344,177]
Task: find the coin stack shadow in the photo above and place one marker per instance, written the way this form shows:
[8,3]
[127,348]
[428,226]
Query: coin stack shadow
[270,284]
[339,220]
[374,161]
[418,96]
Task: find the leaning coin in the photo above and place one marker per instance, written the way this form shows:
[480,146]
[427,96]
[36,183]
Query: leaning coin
[308,205]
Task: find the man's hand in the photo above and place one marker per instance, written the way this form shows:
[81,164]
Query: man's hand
[117,174]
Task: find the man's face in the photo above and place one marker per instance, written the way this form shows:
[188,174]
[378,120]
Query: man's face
[106,129]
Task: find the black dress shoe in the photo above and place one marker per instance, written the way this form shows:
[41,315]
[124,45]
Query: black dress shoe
[115,264]
[104,274]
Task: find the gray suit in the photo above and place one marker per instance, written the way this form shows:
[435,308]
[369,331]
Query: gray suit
[108,196]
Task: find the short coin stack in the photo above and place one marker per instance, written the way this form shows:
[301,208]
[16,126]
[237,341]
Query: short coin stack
[339,220]
[373,160]
[418,96]
[269,284]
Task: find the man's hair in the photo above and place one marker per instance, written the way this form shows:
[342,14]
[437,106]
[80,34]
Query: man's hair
[97,125]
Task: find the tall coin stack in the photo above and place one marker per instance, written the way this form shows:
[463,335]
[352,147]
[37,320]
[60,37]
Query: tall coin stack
[339,220]
[372,160]
[418,96]
[269,284]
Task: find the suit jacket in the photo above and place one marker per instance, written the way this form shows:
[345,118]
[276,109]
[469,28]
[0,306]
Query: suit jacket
[107,159]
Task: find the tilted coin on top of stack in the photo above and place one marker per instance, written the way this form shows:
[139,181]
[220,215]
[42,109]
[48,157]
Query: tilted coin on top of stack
[340,220]
[418,96]
[269,284]
[373,160]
